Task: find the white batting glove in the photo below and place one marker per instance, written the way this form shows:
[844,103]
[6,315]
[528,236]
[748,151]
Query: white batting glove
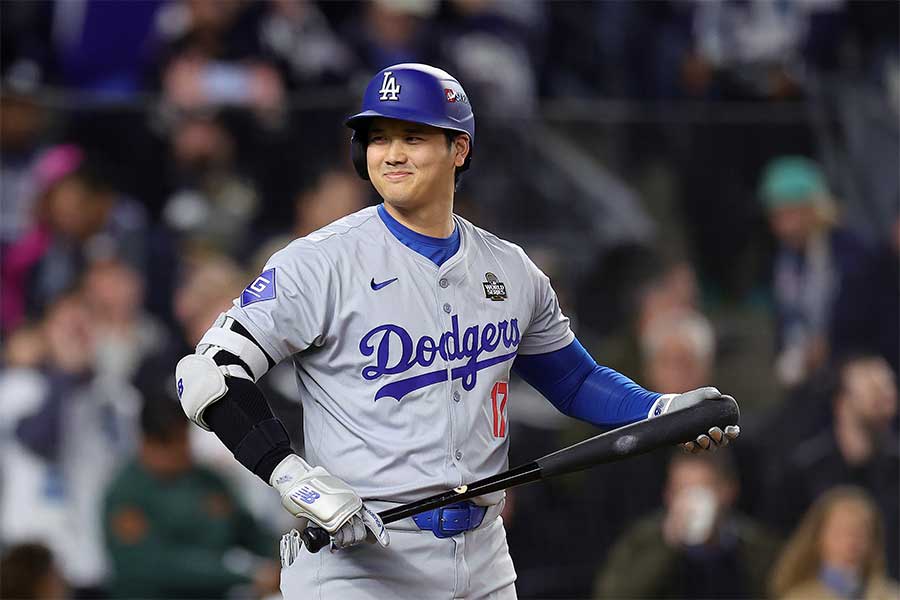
[313,494]
[715,437]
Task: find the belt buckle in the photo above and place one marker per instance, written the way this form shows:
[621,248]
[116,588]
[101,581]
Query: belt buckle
[451,520]
[443,513]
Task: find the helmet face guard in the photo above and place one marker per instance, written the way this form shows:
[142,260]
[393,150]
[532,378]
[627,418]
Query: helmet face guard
[416,93]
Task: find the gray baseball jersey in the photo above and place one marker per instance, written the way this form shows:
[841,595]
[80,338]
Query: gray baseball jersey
[402,366]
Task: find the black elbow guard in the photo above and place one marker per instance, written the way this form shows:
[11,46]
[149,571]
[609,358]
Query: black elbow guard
[244,422]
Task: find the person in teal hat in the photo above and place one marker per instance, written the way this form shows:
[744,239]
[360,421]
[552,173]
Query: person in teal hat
[799,203]
[813,258]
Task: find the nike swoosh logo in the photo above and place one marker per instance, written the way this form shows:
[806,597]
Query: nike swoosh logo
[378,286]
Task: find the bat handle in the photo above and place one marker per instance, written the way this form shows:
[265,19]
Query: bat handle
[315,538]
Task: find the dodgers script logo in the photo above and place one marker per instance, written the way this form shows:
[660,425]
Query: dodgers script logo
[451,346]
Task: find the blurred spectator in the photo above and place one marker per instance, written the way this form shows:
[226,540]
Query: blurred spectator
[298,33]
[336,194]
[615,284]
[24,348]
[672,293]
[678,355]
[814,260]
[859,449]
[24,31]
[212,201]
[742,52]
[125,333]
[640,46]
[225,112]
[22,123]
[174,529]
[212,56]
[867,307]
[204,288]
[875,38]
[756,49]
[80,218]
[29,573]
[492,46]
[836,552]
[390,32]
[679,351]
[65,431]
[698,548]
[631,287]
[103,47]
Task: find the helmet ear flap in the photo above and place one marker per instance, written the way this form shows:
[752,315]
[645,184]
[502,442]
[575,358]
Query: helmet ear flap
[358,154]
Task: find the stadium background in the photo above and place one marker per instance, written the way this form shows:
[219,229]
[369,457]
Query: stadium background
[155,153]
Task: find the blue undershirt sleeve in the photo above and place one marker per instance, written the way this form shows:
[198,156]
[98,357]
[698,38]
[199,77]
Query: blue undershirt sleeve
[576,385]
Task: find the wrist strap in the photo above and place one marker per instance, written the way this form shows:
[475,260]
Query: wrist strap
[661,405]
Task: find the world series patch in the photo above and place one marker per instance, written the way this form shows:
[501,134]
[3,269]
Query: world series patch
[494,289]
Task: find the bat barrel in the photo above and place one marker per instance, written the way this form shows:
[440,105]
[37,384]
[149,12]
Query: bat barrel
[641,437]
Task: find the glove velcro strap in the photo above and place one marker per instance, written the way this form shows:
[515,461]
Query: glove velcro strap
[267,441]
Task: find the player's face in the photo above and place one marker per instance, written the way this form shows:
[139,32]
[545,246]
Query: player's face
[412,164]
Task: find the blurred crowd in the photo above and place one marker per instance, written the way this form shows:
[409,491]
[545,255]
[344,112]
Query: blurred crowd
[154,153]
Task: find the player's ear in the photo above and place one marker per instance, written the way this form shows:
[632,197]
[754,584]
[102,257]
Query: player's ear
[461,149]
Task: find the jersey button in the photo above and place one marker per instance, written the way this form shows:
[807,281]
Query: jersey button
[447,308]
[458,455]
[456,396]
[444,283]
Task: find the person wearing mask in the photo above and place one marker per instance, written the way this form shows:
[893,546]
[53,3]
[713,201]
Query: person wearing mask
[697,547]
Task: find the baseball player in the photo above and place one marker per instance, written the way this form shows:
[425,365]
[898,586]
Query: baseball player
[403,322]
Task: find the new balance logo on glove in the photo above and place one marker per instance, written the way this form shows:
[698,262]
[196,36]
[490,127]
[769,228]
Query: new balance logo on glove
[306,494]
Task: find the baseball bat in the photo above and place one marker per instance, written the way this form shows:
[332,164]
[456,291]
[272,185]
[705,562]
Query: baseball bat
[631,440]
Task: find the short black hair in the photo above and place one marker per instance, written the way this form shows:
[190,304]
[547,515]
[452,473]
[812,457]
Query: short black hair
[451,135]
[162,419]
[23,566]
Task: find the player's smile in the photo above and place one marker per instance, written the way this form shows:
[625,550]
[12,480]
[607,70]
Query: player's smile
[397,175]
[409,163]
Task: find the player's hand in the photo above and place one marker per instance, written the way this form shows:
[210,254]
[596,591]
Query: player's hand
[313,494]
[363,526]
[715,438]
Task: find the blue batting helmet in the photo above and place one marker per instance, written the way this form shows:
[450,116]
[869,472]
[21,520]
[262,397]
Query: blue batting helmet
[412,92]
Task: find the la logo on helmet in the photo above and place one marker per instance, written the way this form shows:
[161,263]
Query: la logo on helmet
[390,89]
